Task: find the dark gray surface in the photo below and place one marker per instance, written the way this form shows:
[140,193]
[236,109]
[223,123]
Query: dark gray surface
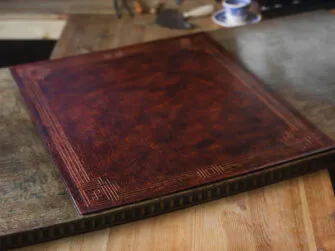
[294,56]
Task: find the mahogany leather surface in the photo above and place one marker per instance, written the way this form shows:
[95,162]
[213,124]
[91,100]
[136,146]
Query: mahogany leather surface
[144,121]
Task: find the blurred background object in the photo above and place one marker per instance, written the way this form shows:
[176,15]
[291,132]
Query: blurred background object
[172,18]
[274,8]
[269,7]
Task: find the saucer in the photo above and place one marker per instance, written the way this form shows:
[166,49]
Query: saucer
[219,18]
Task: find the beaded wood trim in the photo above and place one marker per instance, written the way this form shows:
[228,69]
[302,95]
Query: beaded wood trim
[172,202]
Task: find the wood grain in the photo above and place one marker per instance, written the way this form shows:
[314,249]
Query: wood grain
[102,32]
[81,6]
[275,218]
[292,215]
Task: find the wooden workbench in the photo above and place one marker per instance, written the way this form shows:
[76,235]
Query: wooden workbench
[298,214]
[79,6]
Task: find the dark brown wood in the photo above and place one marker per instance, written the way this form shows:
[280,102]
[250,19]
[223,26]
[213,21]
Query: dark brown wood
[331,172]
[145,121]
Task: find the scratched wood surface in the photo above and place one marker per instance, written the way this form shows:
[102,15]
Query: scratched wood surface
[102,32]
[298,214]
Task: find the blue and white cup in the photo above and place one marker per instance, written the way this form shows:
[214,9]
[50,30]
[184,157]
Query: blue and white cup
[236,11]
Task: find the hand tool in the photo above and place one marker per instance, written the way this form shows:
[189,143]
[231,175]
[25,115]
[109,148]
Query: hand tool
[118,11]
[172,18]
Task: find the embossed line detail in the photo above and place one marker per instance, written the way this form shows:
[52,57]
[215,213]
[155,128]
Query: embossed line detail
[265,97]
[229,165]
[76,170]
[111,219]
[164,182]
[58,136]
[101,190]
[92,170]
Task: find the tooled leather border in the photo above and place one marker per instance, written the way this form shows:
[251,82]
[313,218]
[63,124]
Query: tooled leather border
[74,173]
[171,202]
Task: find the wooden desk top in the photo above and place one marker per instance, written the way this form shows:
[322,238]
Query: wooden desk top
[298,214]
